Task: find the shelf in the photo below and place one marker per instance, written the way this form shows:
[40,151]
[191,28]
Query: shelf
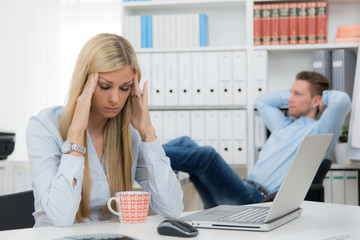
[178,4]
[302,47]
[200,49]
[3,163]
[177,108]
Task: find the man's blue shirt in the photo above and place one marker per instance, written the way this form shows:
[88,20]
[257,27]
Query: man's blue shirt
[286,134]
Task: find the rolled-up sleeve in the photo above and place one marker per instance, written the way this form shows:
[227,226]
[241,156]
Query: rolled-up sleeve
[56,200]
[155,175]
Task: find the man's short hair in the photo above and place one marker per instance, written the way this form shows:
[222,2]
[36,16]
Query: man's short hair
[318,82]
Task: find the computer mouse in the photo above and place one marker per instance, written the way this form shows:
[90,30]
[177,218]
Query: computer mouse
[176,228]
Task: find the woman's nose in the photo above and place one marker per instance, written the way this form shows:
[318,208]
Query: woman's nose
[114,96]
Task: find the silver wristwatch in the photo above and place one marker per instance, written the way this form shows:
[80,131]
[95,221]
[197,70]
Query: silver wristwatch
[68,147]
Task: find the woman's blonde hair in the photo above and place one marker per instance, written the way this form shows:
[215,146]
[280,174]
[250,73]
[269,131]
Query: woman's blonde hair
[104,53]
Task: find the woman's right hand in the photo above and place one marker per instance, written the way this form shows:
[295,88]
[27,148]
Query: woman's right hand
[80,118]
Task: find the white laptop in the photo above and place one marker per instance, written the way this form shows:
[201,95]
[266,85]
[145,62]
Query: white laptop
[288,200]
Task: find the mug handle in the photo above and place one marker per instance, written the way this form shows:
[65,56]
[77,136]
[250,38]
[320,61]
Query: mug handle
[112,210]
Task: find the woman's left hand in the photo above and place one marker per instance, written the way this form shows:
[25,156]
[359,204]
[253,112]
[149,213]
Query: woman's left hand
[140,116]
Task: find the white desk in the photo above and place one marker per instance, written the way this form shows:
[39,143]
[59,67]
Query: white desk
[319,216]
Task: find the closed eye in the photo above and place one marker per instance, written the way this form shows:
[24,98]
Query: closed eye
[124,89]
[104,88]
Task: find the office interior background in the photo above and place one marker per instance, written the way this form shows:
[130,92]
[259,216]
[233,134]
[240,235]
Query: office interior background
[41,40]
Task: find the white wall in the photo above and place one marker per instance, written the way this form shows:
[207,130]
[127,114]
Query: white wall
[39,43]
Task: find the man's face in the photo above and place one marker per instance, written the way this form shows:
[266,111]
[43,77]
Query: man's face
[300,101]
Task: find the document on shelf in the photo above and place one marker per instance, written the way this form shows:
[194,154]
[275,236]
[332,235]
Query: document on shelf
[198,78]
[239,91]
[198,127]
[225,132]
[157,122]
[225,78]
[144,60]
[169,125]
[212,129]
[239,137]
[260,73]
[157,85]
[183,123]
[212,78]
[184,76]
[171,79]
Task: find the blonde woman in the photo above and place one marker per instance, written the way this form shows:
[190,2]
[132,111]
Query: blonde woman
[100,142]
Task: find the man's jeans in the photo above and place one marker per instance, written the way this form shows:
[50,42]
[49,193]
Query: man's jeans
[216,182]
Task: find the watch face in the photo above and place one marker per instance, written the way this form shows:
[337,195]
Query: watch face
[66,147]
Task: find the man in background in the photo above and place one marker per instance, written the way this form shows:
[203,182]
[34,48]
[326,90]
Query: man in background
[312,109]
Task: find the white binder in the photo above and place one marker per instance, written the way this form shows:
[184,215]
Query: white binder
[196,30]
[158,78]
[260,73]
[183,127]
[144,60]
[351,188]
[239,137]
[327,188]
[212,129]
[169,125]
[239,78]
[338,187]
[198,127]
[260,134]
[157,122]
[171,79]
[225,78]
[156,31]
[225,133]
[198,78]
[212,78]
[184,74]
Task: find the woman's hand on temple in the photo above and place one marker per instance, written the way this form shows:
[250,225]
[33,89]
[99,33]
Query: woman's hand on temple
[82,110]
[140,116]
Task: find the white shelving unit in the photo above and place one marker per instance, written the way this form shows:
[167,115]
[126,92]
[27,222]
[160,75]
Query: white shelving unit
[231,29]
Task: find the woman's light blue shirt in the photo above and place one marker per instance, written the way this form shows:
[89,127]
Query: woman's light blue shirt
[56,201]
[286,134]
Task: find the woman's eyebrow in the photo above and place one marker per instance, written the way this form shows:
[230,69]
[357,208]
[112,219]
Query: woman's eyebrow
[127,83]
[101,78]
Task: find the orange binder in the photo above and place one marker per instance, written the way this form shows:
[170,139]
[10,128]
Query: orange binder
[302,20]
[257,24]
[266,23]
[311,22]
[293,23]
[284,30]
[322,12]
[275,18]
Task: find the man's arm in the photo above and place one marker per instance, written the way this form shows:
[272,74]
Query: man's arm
[268,105]
[336,106]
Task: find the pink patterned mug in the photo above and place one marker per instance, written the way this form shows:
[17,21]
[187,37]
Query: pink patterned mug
[132,206]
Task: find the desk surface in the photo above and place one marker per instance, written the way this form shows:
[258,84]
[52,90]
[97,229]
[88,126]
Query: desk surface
[318,217]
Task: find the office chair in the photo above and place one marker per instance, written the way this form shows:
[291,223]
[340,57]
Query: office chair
[16,210]
[316,190]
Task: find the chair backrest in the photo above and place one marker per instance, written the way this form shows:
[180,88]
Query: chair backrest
[322,171]
[16,210]
[318,180]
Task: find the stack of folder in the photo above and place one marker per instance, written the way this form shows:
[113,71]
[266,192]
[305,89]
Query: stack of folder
[348,33]
[338,66]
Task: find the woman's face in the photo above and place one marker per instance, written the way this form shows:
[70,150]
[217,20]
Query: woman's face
[111,92]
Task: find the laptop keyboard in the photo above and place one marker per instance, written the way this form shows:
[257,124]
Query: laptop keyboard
[250,215]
